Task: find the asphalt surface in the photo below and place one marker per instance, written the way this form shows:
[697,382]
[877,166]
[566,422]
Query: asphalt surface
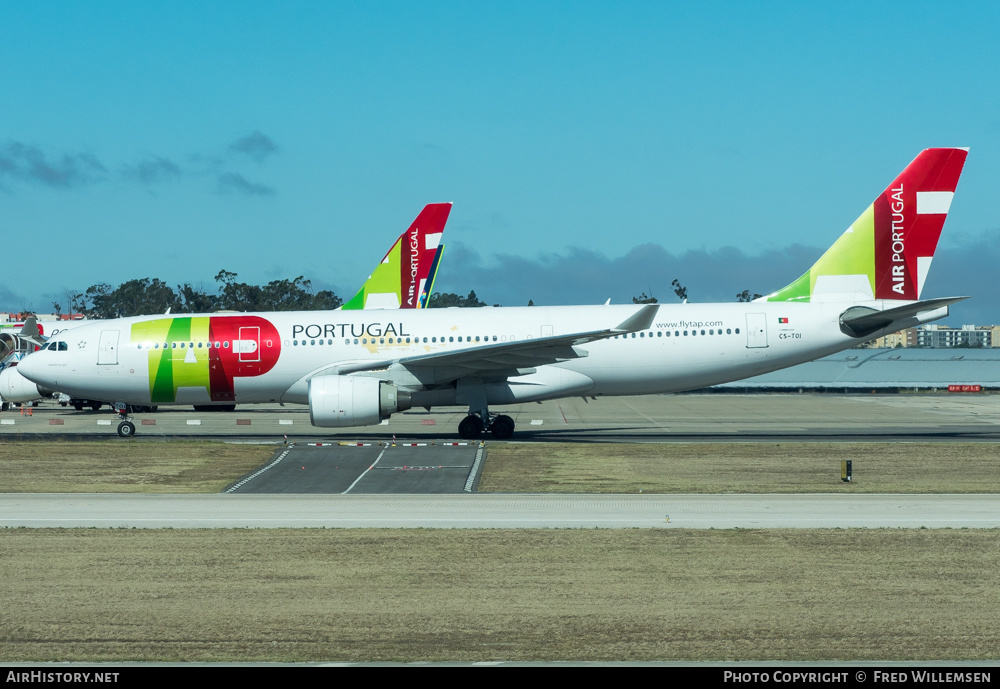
[394,467]
[655,418]
[501,511]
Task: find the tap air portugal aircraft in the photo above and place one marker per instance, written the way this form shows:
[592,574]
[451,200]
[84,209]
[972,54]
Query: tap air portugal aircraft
[357,368]
[404,279]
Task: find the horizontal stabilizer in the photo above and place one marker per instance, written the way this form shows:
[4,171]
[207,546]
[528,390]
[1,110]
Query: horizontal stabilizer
[862,321]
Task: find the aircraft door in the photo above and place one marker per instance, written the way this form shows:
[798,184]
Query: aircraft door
[107,353]
[248,350]
[756,330]
[249,344]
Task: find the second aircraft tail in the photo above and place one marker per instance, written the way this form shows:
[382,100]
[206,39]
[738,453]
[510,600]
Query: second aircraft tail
[405,273]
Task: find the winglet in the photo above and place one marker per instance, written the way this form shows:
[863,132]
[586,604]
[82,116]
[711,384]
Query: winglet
[640,320]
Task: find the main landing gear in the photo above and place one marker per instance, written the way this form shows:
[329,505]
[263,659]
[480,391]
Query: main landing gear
[501,427]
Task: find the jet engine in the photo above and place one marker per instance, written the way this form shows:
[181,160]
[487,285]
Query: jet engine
[16,388]
[342,401]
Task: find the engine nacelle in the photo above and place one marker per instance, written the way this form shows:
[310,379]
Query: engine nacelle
[16,388]
[342,401]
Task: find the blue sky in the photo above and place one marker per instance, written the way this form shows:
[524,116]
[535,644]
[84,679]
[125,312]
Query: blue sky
[592,150]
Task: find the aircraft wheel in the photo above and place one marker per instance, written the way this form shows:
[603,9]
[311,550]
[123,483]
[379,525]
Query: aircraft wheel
[95,406]
[502,427]
[78,406]
[126,429]
[471,427]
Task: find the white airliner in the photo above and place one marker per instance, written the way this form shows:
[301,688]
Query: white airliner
[356,368]
[403,279]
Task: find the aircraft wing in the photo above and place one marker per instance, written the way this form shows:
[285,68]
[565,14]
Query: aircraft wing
[861,321]
[487,359]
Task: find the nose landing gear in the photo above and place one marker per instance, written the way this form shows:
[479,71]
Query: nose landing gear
[126,429]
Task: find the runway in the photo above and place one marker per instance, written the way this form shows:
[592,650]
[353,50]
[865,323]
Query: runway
[492,511]
[651,418]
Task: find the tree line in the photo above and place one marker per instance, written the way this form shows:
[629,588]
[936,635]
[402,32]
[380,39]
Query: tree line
[147,296]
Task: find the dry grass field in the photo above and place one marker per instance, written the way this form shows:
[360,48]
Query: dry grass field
[298,595]
[741,468]
[129,466]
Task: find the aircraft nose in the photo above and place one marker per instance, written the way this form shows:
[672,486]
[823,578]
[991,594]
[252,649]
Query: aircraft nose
[29,368]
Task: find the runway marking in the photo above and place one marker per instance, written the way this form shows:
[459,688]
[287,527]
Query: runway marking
[423,468]
[559,406]
[103,422]
[56,422]
[6,422]
[365,472]
[475,468]
[259,472]
[194,422]
[536,422]
[284,422]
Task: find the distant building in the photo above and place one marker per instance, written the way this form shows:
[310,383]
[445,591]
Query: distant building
[937,336]
[934,336]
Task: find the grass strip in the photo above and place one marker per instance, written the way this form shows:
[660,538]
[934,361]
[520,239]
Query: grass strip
[125,466]
[367,594]
[740,468]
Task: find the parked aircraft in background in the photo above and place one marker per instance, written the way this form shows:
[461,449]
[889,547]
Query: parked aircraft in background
[405,276]
[357,368]
[403,279]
